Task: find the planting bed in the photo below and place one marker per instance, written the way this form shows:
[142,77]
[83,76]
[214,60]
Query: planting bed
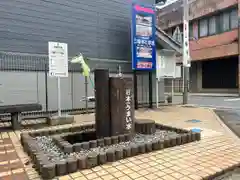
[62,151]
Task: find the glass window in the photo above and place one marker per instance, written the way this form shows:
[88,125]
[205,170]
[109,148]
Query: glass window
[234,19]
[225,24]
[190,31]
[212,25]
[203,27]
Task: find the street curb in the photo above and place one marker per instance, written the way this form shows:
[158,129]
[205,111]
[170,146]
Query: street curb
[225,127]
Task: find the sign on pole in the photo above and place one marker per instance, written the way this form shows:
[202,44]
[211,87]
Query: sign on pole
[178,71]
[58,59]
[186,53]
[166,64]
[143,37]
[58,65]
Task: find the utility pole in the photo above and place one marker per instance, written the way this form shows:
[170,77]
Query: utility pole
[186,53]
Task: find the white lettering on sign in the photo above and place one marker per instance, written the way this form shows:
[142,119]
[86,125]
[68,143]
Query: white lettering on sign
[128,109]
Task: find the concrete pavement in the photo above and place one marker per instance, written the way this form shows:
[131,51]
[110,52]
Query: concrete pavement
[216,151]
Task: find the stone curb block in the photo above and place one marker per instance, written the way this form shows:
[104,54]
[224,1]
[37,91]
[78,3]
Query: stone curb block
[85,145]
[93,143]
[61,168]
[198,136]
[72,165]
[107,141]
[68,148]
[102,158]
[141,148]
[179,140]
[92,160]
[167,142]
[48,171]
[121,138]
[148,147]
[127,137]
[82,162]
[119,154]
[126,152]
[184,139]
[155,145]
[111,155]
[134,150]
[77,147]
[173,141]
[114,139]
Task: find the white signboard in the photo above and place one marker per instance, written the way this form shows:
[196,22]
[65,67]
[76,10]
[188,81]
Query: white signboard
[166,66]
[178,70]
[186,53]
[58,59]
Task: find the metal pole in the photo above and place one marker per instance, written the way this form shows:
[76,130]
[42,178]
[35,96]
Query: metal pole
[150,90]
[157,91]
[86,93]
[59,96]
[46,87]
[135,89]
[185,50]
[172,93]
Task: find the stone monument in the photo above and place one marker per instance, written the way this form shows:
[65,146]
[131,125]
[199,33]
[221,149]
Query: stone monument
[114,104]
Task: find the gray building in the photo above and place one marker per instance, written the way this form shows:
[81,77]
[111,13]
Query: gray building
[101,30]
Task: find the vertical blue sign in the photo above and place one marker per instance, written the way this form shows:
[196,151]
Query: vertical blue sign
[143,38]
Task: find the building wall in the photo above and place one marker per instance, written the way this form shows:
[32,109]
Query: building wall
[172,15]
[98,29]
[214,36]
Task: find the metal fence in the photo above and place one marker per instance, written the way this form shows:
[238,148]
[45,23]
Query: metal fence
[24,79]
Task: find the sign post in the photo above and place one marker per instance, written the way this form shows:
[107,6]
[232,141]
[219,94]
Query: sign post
[58,65]
[166,68]
[186,53]
[143,37]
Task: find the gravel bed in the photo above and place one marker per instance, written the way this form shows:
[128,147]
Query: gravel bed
[55,153]
[231,175]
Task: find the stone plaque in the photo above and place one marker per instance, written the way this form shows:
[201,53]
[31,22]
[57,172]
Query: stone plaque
[121,101]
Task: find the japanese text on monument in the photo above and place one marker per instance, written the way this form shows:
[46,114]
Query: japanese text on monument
[128,109]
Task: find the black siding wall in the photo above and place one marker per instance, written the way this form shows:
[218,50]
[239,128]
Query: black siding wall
[97,28]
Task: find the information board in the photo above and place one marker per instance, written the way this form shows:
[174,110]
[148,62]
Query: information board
[58,59]
[143,37]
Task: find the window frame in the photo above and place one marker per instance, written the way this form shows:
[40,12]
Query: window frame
[216,28]
[199,31]
[222,21]
[230,18]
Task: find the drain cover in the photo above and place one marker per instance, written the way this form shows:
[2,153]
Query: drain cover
[197,130]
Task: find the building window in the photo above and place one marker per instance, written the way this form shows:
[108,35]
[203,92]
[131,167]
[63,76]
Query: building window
[225,23]
[203,27]
[234,19]
[212,25]
[190,31]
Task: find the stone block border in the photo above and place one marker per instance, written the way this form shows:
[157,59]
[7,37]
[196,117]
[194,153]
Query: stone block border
[49,170]
[67,147]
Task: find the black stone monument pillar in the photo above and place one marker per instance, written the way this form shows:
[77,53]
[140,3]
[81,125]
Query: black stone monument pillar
[102,103]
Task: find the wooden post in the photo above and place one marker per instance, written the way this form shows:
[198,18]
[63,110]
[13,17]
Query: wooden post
[102,104]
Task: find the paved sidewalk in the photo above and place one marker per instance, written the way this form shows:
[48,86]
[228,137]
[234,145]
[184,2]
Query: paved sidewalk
[217,150]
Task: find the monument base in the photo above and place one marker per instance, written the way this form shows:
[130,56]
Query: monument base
[56,120]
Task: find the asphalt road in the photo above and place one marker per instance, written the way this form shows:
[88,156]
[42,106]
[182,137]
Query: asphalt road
[213,102]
